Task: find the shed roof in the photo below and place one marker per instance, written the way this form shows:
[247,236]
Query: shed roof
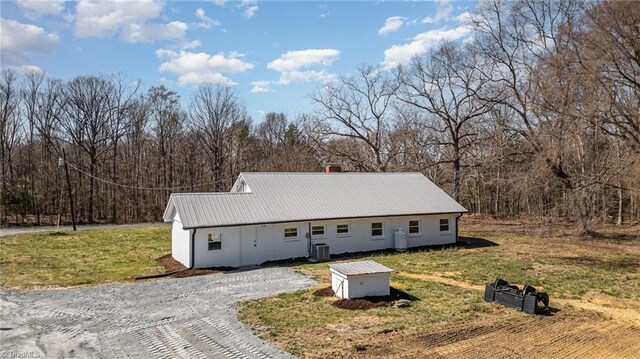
[298,197]
[360,268]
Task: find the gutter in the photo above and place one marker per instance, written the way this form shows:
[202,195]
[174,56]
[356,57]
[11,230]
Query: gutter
[323,219]
[192,259]
[458,229]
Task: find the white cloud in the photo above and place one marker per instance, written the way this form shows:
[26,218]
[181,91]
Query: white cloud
[250,8]
[205,21]
[443,12]
[464,18]
[153,32]
[26,69]
[197,68]
[297,76]
[36,8]
[294,60]
[17,40]
[392,24]
[421,43]
[129,19]
[219,2]
[261,86]
[106,18]
[250,11]
[291,65]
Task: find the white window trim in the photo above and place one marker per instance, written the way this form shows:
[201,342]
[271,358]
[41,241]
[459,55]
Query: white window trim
[447,231]
[324,235]
[371,230]
[290,239]
[348,234]
[417,234]
[220,241]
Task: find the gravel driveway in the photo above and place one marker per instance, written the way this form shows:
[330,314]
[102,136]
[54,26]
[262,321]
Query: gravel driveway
[171,318]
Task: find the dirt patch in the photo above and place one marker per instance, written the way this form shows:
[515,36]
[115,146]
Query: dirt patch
[371,302]
[516,335]
[442,280]
[324,292]
[169,263]
[172,265]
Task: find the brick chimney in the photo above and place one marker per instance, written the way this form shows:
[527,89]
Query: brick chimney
[332,167]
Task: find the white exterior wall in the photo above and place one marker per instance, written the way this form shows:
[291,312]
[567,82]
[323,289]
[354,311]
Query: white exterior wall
[358,286]
[360,239]
[250,245]
[180,242]
[228,256]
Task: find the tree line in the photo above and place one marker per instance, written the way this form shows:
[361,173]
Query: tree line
[536,114]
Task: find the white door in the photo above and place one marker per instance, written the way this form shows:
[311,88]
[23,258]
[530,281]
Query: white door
[248,246]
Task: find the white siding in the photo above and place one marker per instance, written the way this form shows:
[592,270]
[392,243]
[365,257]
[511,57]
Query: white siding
[227,256]
[180,242]
[256,244]
[358,286]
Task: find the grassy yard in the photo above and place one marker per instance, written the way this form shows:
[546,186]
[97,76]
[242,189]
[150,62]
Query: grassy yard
[62,259]
[448,285]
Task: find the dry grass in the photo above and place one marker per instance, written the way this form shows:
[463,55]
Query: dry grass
[62,259]
[593,283]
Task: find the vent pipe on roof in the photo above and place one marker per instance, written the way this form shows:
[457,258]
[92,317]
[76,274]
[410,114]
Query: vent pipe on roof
[332,167]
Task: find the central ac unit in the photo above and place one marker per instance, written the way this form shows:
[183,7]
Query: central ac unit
[320,252]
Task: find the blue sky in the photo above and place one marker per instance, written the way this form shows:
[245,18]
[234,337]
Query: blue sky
[275,53]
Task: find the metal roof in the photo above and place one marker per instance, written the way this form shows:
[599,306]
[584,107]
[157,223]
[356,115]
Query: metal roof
[359,268]
[298,197]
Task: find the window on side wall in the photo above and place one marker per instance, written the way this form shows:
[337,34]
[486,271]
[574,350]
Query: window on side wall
[376,229]
[343,230]
[318,231]
[214,241]
[291,232]
[414,227]
[444,225]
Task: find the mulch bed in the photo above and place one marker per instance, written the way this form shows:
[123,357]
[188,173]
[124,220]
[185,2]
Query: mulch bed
[172,265]
[366,302]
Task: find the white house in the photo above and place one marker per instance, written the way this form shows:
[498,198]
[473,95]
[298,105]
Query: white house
[273,216]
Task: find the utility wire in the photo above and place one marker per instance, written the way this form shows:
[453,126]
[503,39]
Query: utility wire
[141,188]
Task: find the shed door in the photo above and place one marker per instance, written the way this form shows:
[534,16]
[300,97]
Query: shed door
[248,246]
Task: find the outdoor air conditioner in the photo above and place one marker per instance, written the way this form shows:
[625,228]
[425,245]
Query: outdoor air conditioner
[320,252]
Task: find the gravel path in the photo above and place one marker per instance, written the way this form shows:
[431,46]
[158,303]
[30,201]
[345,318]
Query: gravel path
[171,318]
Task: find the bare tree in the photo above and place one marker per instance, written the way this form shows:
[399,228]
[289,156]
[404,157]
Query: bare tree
[359,109]
[445,85]
[213,112]
[87,112]
[166,120]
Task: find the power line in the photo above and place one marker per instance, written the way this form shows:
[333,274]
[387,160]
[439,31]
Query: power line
[141,188]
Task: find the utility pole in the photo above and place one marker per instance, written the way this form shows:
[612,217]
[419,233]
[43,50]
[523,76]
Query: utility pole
[66,171]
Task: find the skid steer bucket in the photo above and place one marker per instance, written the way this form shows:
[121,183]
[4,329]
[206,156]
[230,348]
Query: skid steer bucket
[528,300]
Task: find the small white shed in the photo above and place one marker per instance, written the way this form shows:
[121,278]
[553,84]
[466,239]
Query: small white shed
[352,280]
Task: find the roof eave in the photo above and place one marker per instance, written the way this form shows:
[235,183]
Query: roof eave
[319,219]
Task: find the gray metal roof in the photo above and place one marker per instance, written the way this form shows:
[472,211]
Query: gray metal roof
[297,197]
[359,268]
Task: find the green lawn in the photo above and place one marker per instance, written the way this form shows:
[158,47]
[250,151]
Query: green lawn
[66,258]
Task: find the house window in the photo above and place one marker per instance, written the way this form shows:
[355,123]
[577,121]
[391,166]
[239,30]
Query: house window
[376,229]
[414,227]
[444,225]
[318,231]
[343,229]
[291,232]
[214,241]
